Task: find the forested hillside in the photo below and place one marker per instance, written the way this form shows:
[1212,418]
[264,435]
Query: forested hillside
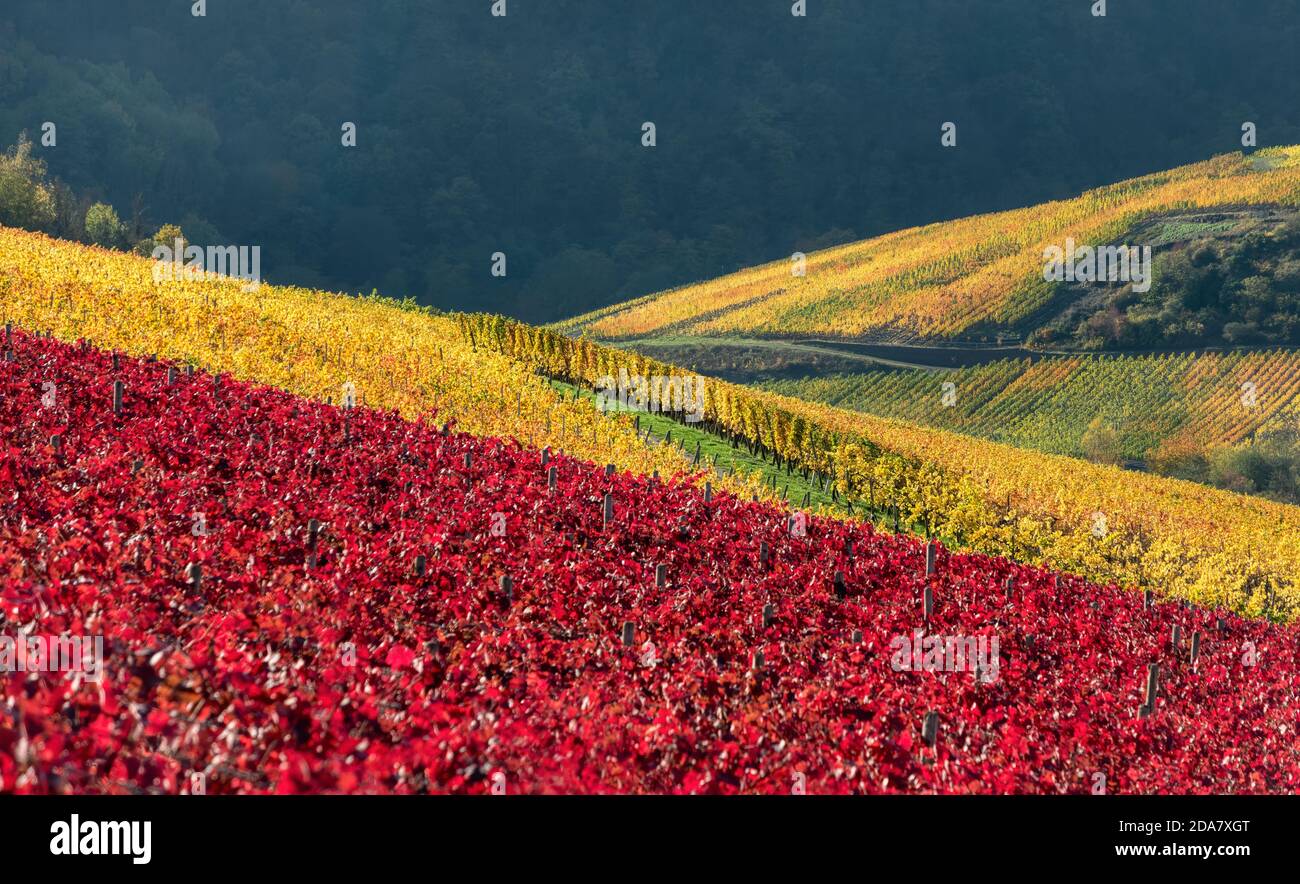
[522,134]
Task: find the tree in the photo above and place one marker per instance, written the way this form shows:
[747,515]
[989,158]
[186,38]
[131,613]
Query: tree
[69,212]
[1181,459]
[1100,443]
[26,197]
[167,235]
[103,227]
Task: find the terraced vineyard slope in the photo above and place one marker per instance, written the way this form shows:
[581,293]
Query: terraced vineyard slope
[1206,545]
[495,377]
[326,346]
[1049,404]
[371,605]
[978,276]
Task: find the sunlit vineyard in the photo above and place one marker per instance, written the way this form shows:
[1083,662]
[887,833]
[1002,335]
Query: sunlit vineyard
[1211,547]
[1048,404]
[489,375]
[1208,546]
[473,654]
[942,279]
[307,342]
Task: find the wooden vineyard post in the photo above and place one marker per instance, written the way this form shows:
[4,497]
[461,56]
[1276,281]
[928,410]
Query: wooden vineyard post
[1153,688]
[313,532]
[930,729]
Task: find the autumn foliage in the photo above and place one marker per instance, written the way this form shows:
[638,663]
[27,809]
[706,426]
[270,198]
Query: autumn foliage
[941,280]
[293,640]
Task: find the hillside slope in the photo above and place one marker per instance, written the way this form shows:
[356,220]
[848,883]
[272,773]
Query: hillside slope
[1205,545]
[492,376]
[394,355]
[979,276]
[296,597]
[1049,404]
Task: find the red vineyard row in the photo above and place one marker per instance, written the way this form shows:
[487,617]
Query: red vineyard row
[294,597]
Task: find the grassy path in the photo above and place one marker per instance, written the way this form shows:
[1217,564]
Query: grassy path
[718,452]
[715,449]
